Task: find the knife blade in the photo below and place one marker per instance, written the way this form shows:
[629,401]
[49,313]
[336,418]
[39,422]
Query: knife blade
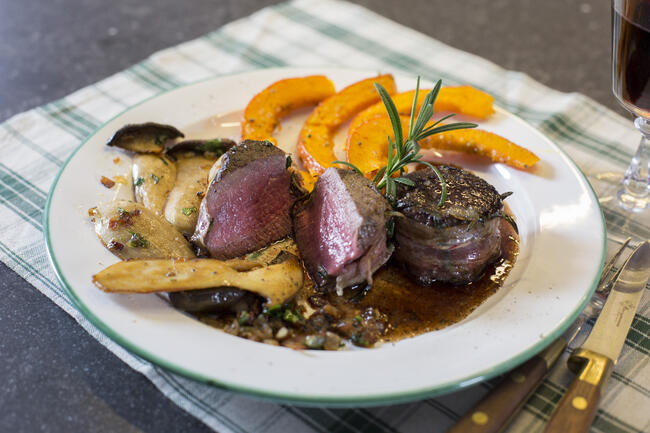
[493,413]
[594,361]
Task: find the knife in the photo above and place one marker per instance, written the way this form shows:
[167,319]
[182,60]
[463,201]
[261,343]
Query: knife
[594,361]
[493,413]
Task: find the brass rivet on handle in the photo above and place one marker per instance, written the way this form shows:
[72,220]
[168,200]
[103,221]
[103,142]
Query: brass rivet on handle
[579,403]
[518,377]
[480,418]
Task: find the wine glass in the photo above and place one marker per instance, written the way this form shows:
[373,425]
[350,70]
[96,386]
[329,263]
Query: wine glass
[631,85]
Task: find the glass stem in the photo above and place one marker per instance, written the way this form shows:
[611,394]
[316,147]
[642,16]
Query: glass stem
[635,193]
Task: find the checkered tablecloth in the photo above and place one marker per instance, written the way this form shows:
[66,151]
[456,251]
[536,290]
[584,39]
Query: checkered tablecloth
[35,144]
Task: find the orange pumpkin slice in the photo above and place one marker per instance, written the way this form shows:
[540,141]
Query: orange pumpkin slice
[263,113]
[315,142]
[484,143]
[459,99]
[367,145]
[308,180]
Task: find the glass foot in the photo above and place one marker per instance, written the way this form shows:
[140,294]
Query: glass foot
[631,202]
[634,194]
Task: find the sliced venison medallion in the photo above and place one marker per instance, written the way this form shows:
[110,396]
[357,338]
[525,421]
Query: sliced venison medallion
[453,243]
[340,229]
[248,201]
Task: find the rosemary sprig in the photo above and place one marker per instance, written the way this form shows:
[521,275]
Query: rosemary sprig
[403,151]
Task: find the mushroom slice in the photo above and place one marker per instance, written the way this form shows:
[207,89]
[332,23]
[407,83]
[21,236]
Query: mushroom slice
[131,231]
[213,148]
[184,199]
[194,159]
[277,282]
[153,179]
[147,137]
[216,300]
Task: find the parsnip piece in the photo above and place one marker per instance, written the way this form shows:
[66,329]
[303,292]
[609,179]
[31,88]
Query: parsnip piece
[277,283]
[131,231]
[153,178]
[182,208]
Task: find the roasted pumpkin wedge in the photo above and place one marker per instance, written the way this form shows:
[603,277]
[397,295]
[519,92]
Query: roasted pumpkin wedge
[367,145]
[263,113]
[315,142]
[484,143]
[459,99]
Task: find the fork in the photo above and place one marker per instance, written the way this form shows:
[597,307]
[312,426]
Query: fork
[498,407]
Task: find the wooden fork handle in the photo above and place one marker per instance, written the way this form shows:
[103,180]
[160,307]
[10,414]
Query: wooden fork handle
[577,409]
[497,408]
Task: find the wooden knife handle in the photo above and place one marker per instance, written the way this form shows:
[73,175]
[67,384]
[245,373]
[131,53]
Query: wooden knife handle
[577,409]
[492,413]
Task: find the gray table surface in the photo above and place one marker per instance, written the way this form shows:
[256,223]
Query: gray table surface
[53,376]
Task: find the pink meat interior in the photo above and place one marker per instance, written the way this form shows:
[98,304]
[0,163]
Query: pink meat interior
[249,208]
[328,227]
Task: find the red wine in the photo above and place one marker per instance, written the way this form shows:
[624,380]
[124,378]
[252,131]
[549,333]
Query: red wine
[631,54]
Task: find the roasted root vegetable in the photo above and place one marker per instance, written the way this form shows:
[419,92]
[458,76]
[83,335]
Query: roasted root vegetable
[131,231]
[315,142]
[263,113]
[276,282]
[483,143]
[367,145]
[153,178]
[147,137]
[460,99]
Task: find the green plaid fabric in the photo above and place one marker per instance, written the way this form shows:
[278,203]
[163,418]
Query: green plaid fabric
[329,33]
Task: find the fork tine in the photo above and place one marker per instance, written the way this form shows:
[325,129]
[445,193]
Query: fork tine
[605,277]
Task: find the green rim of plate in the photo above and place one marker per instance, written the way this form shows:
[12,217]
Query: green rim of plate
[380,399]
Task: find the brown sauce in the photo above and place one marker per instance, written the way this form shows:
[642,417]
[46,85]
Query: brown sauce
[413,309]
[394,307]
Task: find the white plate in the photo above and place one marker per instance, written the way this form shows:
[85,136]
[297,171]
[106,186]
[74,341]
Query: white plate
[562,252]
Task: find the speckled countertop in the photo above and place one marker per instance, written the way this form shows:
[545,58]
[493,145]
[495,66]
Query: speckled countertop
[54,376]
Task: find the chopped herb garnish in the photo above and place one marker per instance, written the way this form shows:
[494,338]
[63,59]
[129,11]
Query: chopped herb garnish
[291,316]
[155,178]
[256,254]
[187,211]
[122,212]
[273,310]
[139,181]
[137,240]
[243,318]
[358,340]
[160,139]
[288,164]
[217,146]
[358,318]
